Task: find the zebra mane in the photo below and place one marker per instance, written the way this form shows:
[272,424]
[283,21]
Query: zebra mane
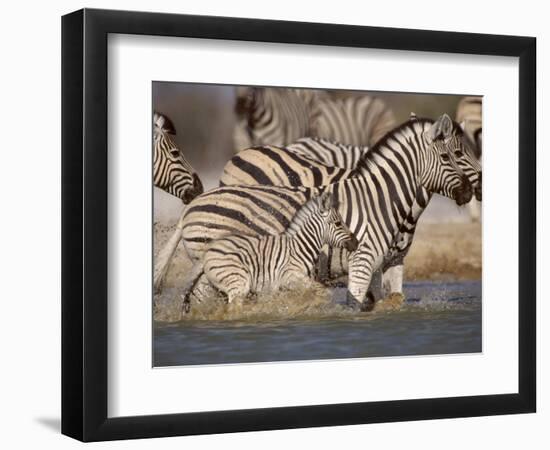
[164,123]
[310,208]
[382,145]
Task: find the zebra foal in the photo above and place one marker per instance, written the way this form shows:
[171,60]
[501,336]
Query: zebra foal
[239,264]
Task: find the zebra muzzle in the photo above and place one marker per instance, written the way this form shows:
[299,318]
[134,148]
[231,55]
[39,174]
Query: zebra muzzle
[352,244]
[463,193]
[194,191]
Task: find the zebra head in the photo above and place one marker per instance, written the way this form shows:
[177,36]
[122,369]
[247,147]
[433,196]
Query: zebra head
[171,171]
[451,168]
[336,233]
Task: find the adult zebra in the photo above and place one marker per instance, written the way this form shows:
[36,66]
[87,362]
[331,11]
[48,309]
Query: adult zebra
[468,112]
[299,165]
[275,116]
[171,171]
[306,162]
[356,120]
[272,115]
[377,203]
[173,174]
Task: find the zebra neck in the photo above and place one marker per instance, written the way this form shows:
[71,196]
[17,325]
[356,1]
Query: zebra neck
[388,179]
[305,237]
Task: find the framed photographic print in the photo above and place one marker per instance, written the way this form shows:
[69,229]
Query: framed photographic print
[276,225]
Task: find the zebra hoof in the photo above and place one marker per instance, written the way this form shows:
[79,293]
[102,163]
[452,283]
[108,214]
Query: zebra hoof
[365,306]
[368,303]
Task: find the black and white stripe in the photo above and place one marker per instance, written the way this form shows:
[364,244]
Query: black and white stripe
[377,204]
[468,114]
[307,162]
[356,120]
[171,171]
[276,116]
[239,264]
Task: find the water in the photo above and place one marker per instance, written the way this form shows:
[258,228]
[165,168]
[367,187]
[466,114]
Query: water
[437,318]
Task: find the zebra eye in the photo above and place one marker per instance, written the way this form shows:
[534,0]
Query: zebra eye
[174,152]
[338,223]
[459,153]
[444,157]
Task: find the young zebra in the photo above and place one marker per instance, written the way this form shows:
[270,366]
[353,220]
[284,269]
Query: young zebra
[171,171]
[378,203]
[238,264]
[275,116]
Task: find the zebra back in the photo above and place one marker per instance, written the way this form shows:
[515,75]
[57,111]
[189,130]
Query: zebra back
[307,162]
[357,120]
[273,116]
[268,116]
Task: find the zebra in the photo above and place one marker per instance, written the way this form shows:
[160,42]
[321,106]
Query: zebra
[356,120]
[468,113]
[290,166]
[306,162]
[171,171]
[378,203]
[173,174]
[269,116]
[272,115]
[239,264]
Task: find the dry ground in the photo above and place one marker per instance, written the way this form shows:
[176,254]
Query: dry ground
[446,251]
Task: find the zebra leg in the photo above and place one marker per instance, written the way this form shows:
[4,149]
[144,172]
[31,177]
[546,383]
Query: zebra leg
[165,256]
[197,288]
[375,287]
[235,285]
[392,276]
[392,280]
[202,290]
[360,273]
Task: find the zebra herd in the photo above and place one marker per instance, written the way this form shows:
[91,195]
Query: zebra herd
[291,167]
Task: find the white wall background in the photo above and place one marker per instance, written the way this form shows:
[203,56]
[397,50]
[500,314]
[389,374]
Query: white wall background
[30,229]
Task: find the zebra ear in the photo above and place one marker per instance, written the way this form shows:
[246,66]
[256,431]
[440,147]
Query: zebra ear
[442,128]
[164,123]
[325,201]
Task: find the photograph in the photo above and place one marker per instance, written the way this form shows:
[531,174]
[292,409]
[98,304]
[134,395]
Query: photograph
[299,224]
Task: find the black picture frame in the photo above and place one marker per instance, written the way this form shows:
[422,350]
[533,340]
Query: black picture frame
[84,224]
